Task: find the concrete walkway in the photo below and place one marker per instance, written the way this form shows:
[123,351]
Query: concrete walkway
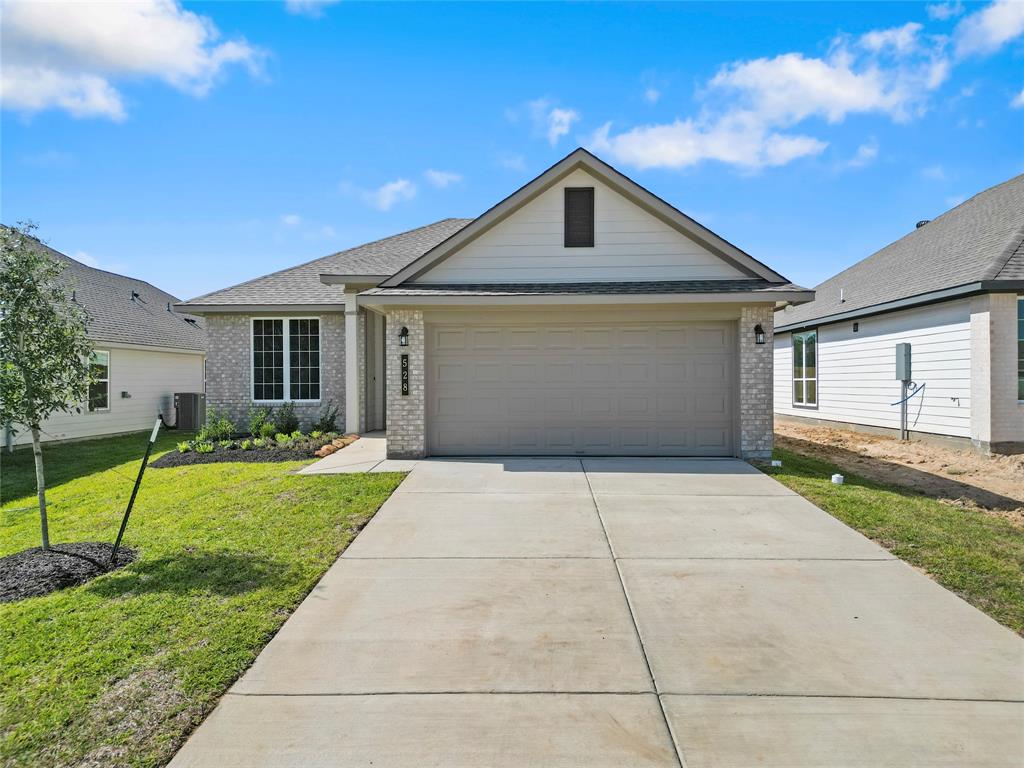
[620,612]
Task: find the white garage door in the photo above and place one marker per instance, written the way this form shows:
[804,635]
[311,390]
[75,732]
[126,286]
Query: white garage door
[645,389]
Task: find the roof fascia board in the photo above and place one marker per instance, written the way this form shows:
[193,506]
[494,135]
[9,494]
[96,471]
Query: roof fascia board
[359,281]
[934,297]
[751,297]
[294,309]
[622,184]
[109,344]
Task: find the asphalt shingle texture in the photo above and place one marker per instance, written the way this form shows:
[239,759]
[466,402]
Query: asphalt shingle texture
[301,285]
[980,239]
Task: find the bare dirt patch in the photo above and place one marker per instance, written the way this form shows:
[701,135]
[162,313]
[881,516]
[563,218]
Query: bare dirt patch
[994,484]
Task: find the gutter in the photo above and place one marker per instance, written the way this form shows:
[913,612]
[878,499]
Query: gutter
[934,297]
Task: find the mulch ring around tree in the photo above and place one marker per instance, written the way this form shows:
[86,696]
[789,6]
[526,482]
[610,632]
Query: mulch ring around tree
[37,571]
[176,459]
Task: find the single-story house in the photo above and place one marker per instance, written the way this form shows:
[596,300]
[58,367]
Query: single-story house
[145,350]
[581,315]
[954,290]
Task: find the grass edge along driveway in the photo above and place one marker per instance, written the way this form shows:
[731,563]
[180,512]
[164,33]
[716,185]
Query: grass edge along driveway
[120,670]
[978,556]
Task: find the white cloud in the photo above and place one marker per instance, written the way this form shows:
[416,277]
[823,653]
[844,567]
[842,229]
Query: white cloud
[651,95]
[311,8]
[65,55]
[548,120]
[934,172]
[291,219]
[988,30]
[385,196]
[86,259]
[1017,102]
[955,200]
[866,154]
[442,179]
[749,107]
[944,11]
[512,162]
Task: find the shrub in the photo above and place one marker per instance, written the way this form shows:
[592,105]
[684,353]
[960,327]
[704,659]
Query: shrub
[297,435]
[218,427]
[258,417]
[246,445]
[227,444]
[204,447]
[328,421]
[268,430]
[259,442]
[287,420]
[316,434]
[282,439]
[184,447]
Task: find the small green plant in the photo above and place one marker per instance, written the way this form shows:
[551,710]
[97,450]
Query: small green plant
[226,444]
[204,447]
[184,446]
[259,442]
[218,427]
[246,445]
[287,420]
[297,434]
[282,439]
[268,430]
[328,421]
[258,417]
[316,434]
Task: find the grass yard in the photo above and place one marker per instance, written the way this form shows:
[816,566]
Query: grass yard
[976,555]
[118,671]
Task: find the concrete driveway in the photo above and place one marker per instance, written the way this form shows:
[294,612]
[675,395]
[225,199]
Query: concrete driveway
[620,612]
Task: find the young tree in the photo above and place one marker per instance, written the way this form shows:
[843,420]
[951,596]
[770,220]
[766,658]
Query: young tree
[44,352]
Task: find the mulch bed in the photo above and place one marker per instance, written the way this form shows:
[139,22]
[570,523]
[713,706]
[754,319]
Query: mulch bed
[36,572]
[176,459]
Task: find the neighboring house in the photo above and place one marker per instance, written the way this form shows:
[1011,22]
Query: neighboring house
[145,351]
[582,315]
[954,289]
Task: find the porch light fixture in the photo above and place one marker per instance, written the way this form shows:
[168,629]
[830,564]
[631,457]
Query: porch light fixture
[758,334]
[403,337]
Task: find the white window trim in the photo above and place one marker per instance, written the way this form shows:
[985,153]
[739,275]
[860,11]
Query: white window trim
[792,371]
[287,366]
[1020,304]
[88,406]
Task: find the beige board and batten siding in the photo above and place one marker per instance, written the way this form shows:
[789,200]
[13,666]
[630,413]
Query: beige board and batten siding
[150,377]
[630,244]
[856,371]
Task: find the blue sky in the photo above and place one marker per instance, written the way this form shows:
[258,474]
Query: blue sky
[202,144]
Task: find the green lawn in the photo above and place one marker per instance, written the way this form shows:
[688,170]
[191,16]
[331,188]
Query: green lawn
[118,671]
[976,555]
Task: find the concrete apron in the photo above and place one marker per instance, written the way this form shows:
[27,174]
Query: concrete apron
[620,612]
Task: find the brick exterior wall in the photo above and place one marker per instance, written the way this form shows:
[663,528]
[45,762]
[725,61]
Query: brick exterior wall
[997,418]
[229,367]
[756,384]
[406,427]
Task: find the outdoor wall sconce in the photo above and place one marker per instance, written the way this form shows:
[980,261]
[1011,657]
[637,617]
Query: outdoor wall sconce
[758,334]
[403,337]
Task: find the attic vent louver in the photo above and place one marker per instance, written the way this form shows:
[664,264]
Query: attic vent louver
[135,295]
[579,217]
[921,223]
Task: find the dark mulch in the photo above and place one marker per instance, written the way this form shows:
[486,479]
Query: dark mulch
[35,572]
[176,459]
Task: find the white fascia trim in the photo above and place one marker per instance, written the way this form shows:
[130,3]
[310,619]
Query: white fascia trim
[773,299]
[291,310]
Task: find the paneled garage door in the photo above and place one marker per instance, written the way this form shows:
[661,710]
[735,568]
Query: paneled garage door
[646,389]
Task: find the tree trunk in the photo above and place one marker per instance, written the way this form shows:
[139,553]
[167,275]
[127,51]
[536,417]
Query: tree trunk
[37,452]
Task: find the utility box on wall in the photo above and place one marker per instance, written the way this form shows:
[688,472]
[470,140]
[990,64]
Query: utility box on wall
[903,371]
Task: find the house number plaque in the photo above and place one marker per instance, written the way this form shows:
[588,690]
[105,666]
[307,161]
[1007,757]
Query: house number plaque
[405,375]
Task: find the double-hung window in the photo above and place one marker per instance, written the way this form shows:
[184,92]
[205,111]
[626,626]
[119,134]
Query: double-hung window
[805,368]
[1020,347]
[285,359]
[99,386]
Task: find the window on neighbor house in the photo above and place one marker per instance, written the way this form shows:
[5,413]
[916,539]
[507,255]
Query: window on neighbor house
[285,362]
[1020,347]
[99,387]
[805,368]
[579,217]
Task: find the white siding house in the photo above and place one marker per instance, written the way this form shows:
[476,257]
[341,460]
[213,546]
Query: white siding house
[145,351]
[954,290]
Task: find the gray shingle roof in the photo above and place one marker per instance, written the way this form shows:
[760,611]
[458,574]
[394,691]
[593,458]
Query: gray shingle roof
[979,240]
[588,289]
[301,285]
[116,317]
